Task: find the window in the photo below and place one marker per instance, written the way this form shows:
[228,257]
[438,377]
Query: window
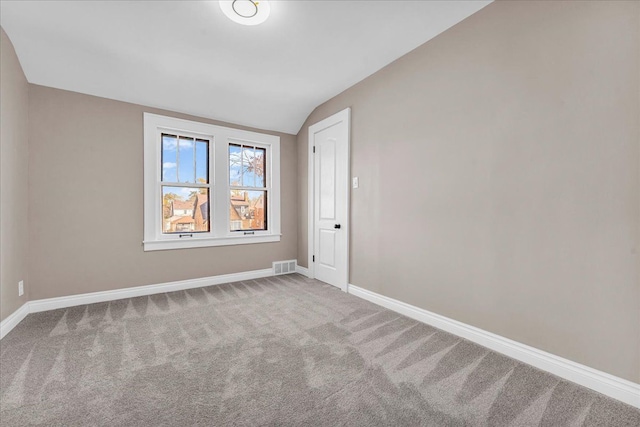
[207,185]
[249,188]
[185,183]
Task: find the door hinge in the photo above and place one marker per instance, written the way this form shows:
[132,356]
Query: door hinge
[313,258]
[314,149]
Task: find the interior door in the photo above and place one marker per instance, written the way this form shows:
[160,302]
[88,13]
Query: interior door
[330,145]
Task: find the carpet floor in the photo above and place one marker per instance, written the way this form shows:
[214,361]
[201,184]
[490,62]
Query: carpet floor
[278,351]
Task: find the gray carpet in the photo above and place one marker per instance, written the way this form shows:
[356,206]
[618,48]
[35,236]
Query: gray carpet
[281,351]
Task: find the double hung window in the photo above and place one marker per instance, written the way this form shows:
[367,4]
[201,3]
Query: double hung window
[207,185]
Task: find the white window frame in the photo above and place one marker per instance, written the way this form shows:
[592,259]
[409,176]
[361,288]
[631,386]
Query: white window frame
[219,137]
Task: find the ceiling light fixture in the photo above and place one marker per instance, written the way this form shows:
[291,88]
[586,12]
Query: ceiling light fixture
[246,12]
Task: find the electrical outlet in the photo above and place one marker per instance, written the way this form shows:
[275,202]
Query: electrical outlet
[21,288]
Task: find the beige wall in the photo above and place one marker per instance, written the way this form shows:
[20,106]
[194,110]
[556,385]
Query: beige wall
[500,178]
[14,132]
[86,210]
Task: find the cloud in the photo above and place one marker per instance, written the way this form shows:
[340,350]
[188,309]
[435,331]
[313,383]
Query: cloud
[185,143]
[169,165]
[170,143]
[185,191]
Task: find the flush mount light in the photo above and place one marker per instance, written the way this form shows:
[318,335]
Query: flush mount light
[246,12]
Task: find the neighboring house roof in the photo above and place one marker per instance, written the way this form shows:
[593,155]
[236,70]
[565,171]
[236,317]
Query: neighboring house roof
[202,205]
[183,205]
[181,220]
[238,204]
[234,215]
[258,203]
[239,200]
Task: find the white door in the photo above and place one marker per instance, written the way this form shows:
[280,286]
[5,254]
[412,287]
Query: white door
[329,199]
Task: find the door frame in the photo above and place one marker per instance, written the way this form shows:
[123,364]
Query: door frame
[341,116]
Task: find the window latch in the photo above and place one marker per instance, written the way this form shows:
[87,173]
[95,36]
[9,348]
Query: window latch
[185,235]
[249,232]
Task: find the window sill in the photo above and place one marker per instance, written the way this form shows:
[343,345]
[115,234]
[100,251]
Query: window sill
[162,245]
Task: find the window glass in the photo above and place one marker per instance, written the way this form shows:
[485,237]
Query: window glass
[248,167]
[186,160]
[235,165]
[185,209]
[169,159]
[259,166]
[247,210]
[202,161]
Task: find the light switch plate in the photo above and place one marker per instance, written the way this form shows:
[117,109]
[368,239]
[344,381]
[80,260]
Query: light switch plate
[355,182]
[21,288]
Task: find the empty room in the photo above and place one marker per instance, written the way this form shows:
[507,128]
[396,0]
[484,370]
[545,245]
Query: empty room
[320,213]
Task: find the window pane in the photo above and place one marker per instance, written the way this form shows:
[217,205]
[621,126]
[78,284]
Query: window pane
[169,163]
[247,210]
[202,161]
[235,164]
[248,167]
[186,163]
[185,209]
[259,164]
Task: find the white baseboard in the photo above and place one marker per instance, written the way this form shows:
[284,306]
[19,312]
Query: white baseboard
[73,300]
[302,270]
[609,385]
[93,297]
[13,319]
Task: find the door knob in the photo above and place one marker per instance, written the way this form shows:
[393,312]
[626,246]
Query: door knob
[336,226]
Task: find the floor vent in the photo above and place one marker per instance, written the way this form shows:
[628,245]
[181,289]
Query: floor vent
[284,267]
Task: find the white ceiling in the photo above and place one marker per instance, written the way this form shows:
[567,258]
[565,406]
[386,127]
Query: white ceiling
[186,56]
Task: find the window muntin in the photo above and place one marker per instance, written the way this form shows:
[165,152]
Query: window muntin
[176,167]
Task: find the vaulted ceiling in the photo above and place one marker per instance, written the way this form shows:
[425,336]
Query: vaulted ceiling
[186,56]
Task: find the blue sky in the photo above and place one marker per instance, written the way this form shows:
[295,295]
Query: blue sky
[178,159]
